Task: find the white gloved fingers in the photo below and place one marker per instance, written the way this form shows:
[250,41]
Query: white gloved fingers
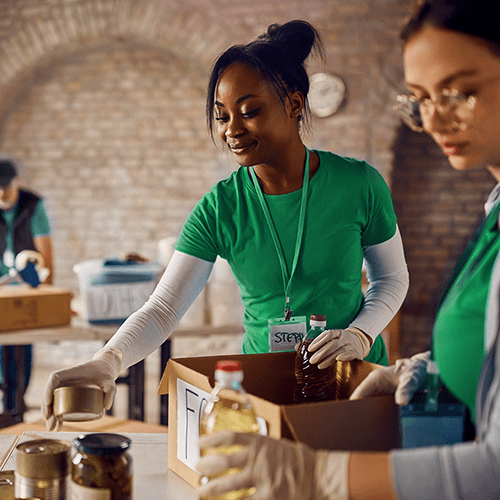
[324,338]
[216,487]
[347,353]
[412,377]
[226,438]
[378,382]
[327,355]
[53,425]
[102,372]
[109,395]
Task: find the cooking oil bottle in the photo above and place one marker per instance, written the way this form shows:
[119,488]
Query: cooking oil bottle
[228,408]
[313,384]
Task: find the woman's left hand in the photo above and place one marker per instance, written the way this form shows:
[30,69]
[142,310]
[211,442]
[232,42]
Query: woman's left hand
[339,345]
[278,469]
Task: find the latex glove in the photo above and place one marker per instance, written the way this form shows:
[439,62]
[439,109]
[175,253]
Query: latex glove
[339,345]
[102,371]
[401,379]
[277,469]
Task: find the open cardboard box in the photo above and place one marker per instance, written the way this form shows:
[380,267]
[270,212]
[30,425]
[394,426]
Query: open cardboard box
[24,307]
[371,424]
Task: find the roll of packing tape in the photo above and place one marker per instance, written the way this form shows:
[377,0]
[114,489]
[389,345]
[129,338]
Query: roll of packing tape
[25,256]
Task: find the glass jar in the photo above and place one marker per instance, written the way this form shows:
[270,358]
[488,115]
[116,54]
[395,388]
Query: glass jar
[101,468]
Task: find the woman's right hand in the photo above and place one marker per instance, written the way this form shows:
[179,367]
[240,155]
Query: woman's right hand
[401,379]
[102,371]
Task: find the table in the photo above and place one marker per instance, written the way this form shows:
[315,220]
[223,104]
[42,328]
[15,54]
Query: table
[78,330]
[152,478]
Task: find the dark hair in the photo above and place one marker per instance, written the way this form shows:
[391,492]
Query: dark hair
[473,17]
[279,55]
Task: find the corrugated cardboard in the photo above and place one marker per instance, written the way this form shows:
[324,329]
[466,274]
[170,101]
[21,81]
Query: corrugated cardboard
[23,307]
[371,424]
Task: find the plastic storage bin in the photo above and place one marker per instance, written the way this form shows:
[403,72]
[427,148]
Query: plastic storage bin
[111,290]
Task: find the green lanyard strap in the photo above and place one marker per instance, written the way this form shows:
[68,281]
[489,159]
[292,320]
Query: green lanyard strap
[287,280]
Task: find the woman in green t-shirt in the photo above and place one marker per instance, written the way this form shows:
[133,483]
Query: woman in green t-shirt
[294,224]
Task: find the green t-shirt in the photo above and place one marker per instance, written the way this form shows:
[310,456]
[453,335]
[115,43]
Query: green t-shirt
[349,206]
[459,329]
[40,226]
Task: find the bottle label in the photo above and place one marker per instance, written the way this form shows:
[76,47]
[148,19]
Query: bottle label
[284,335]
[79,492]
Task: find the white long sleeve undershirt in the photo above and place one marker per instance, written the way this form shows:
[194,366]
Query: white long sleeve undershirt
[146,329]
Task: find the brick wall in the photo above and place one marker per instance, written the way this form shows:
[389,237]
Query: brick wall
[102,101]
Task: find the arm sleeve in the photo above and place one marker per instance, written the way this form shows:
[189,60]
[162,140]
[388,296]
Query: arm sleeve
[146,329]
[465,471]
[40,225]
[388,276]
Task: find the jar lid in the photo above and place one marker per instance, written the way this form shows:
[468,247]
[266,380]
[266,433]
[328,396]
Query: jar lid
[43,458]
[78,403]
[102,443]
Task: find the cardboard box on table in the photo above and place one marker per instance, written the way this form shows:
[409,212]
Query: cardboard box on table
[24,307]
[370,424]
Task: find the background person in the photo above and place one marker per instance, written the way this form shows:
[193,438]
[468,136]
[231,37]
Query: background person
[452,69]
[24,225]
[292,223]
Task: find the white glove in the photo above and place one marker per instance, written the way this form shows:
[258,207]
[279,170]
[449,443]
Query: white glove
[339,345]
[102,371]
[277,469]
[401,379]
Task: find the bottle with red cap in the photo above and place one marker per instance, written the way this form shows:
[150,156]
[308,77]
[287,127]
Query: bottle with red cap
[228,408]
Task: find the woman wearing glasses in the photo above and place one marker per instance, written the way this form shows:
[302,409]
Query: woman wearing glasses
[452,69]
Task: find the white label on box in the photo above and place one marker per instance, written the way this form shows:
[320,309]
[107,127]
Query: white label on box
[105,302]
[190,404]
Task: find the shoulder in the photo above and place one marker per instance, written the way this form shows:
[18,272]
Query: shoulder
[352,168]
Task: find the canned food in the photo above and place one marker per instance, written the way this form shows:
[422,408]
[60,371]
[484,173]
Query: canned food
[42,470]
[78,403]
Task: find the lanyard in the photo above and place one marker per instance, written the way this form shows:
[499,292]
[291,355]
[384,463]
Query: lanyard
[287,280]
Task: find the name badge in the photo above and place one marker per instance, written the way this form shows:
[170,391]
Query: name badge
[285,334]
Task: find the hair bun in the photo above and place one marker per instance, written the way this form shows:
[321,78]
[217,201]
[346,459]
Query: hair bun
[295,39]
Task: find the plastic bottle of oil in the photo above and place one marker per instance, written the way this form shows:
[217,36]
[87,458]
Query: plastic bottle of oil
[228,408]
[313,384]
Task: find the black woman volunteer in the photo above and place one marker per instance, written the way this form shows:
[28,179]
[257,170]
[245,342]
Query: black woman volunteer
[452,70]
[294,225]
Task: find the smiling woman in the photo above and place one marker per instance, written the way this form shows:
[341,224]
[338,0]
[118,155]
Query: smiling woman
[294,224]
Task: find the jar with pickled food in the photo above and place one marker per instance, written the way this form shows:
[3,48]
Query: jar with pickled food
[101,468]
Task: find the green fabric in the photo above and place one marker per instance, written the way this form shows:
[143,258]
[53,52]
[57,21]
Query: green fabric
[459,338]
[40,226]
[349,206]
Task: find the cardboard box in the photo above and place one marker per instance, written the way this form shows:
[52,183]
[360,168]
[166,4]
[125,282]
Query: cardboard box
[23,307]
[370,424]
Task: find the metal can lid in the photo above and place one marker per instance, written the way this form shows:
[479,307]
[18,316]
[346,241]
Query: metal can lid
[43,458]
[102,443]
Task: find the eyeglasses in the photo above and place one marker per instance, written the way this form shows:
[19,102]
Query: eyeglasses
[454,107]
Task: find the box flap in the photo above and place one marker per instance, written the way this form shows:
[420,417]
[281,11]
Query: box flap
[350,424]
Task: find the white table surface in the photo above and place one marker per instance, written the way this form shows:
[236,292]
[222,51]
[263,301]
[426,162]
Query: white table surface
[152,478]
